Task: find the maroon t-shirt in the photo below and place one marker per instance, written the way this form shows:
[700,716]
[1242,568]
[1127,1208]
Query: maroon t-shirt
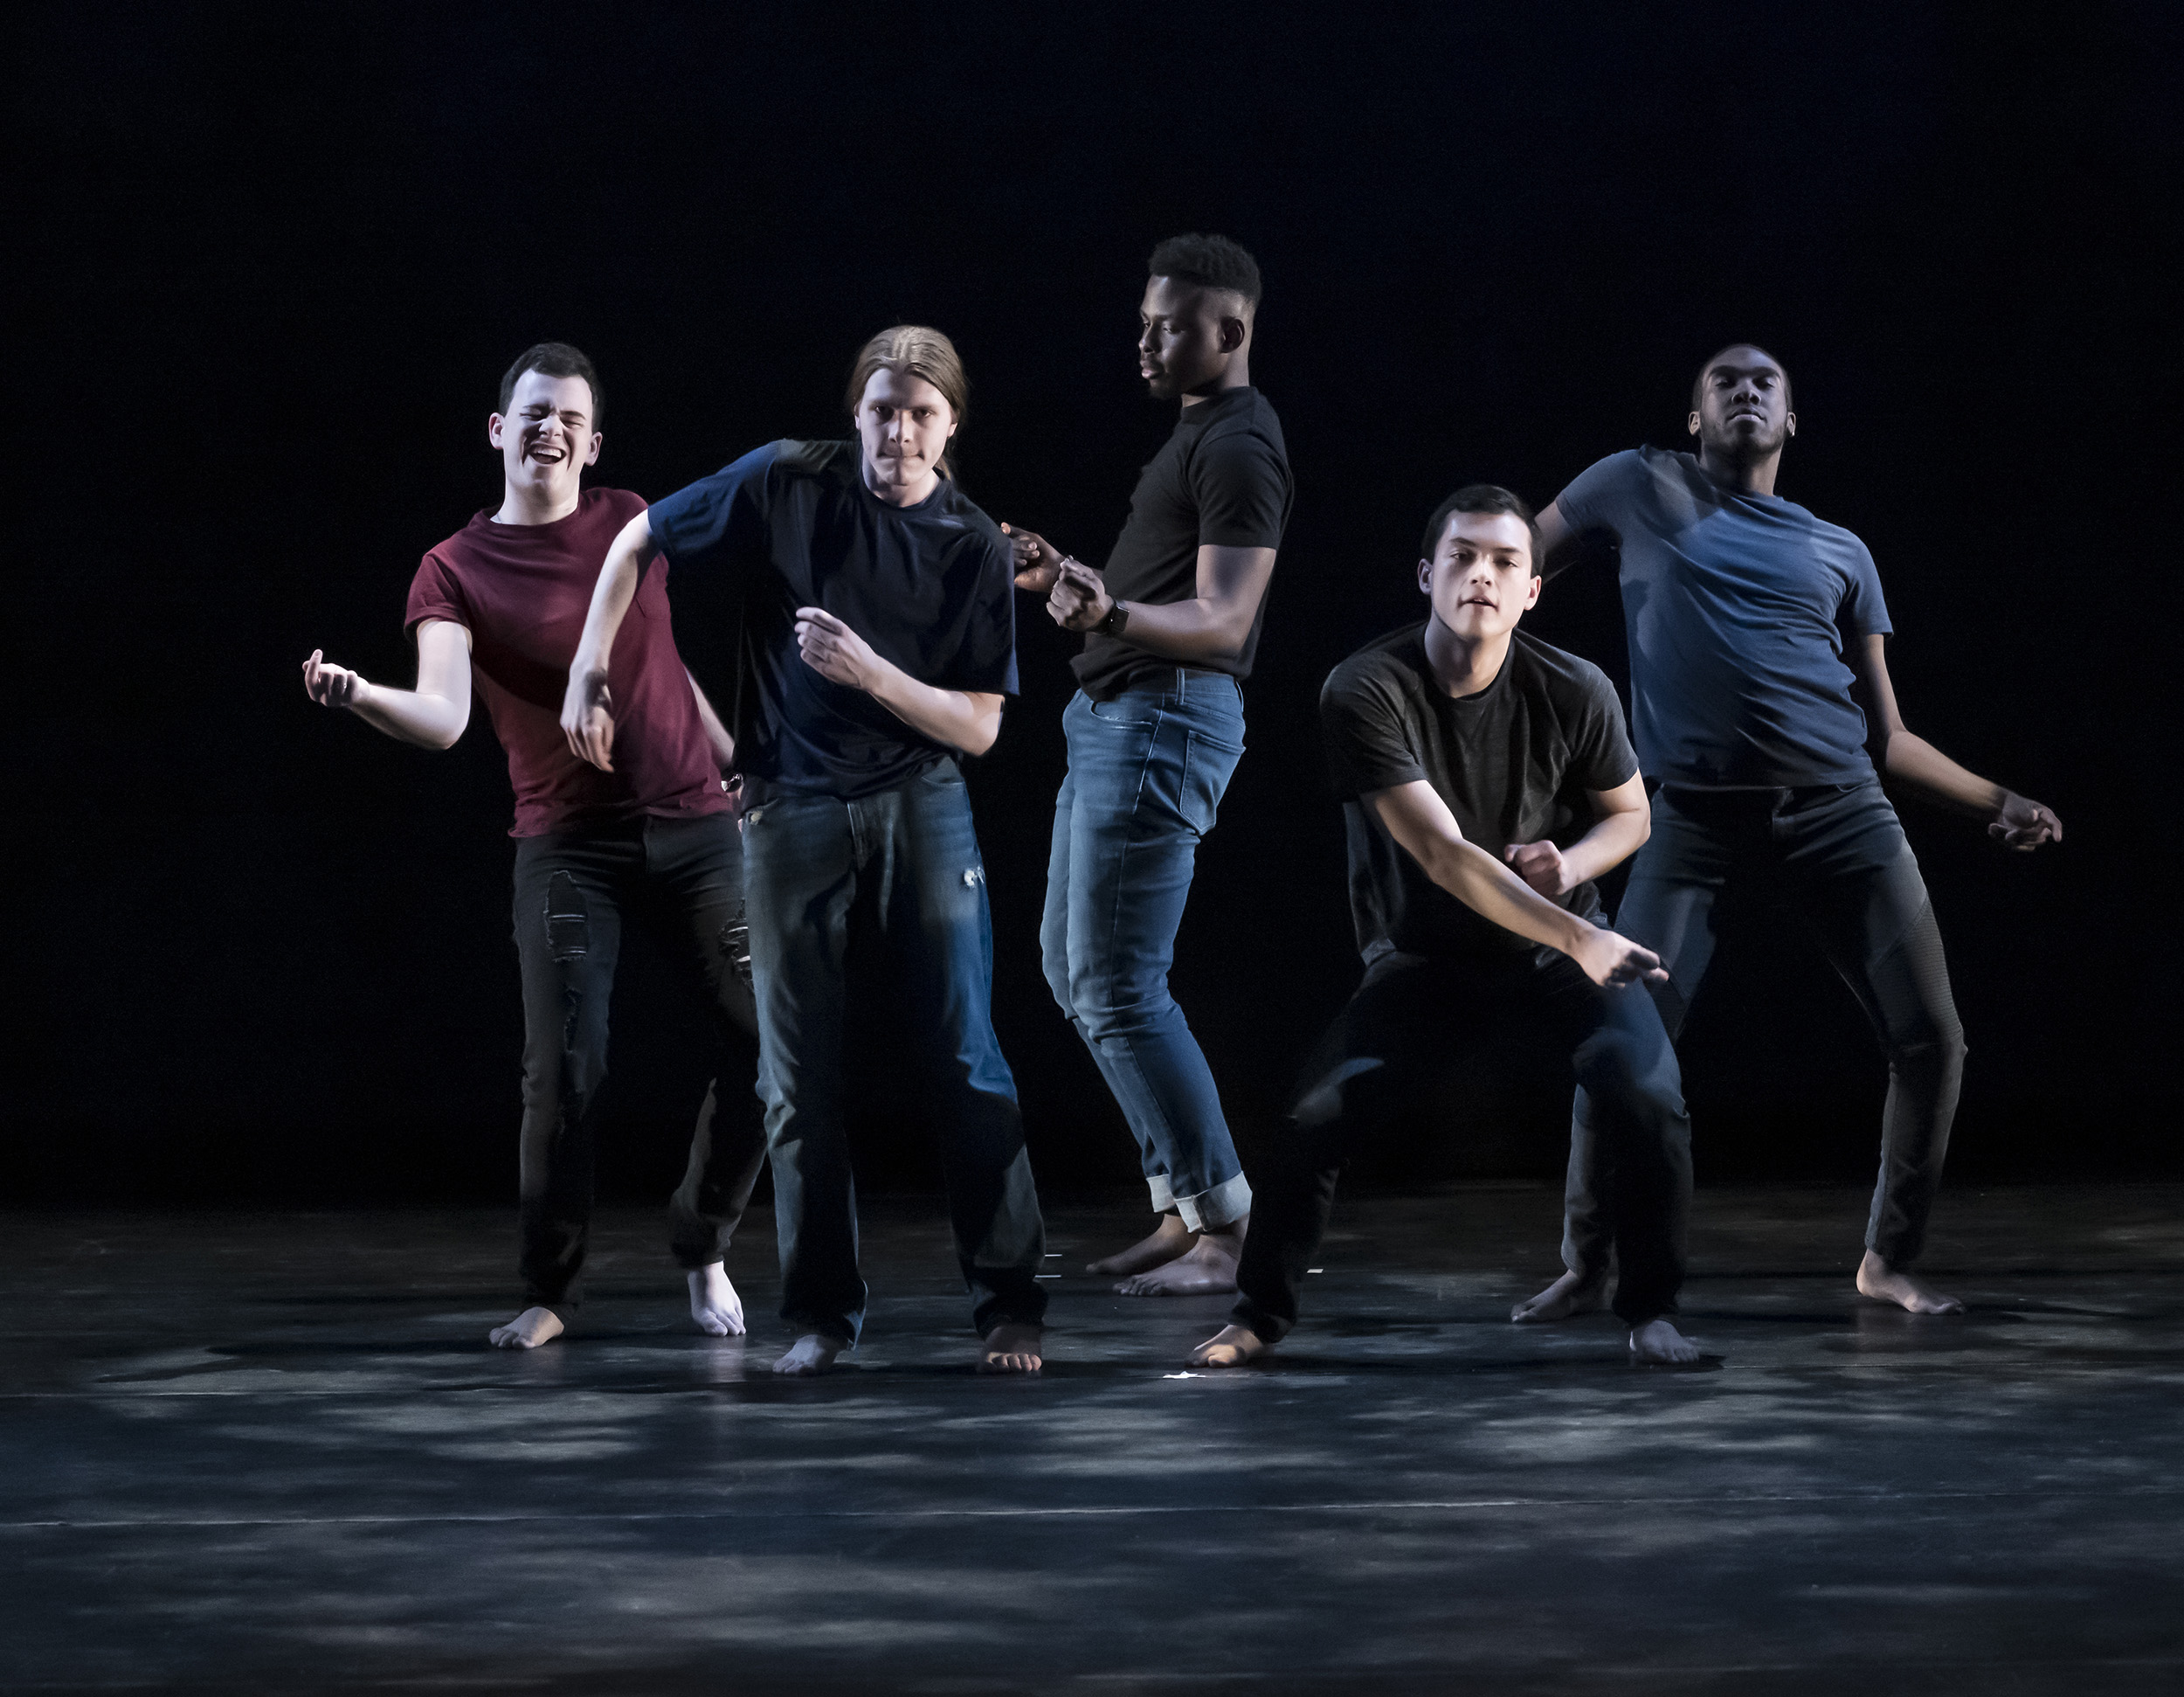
[522,591]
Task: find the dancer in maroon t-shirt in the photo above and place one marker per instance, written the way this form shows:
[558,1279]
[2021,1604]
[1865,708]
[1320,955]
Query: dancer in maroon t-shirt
[655,840]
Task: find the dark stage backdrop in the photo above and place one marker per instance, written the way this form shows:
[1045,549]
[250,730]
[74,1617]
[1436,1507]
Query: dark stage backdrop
[268,264]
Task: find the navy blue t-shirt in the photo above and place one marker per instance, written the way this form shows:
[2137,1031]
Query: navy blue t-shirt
[1738,609]
[929,586]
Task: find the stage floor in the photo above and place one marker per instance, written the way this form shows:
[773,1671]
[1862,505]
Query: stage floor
[271,1452]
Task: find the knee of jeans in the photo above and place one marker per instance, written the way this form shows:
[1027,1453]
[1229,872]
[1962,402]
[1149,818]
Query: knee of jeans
[1612,1065]
[1935,1043]
[1106,1008]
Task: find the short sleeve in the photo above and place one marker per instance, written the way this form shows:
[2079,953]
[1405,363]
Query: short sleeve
[717,521]
[1598,496]
[1864,611]
[435,592]
[1240,484]
[1369,743]
[1601,754]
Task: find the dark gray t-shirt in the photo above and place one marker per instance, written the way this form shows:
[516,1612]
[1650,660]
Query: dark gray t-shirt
[1738,609]
[1221,481]
[1514,764]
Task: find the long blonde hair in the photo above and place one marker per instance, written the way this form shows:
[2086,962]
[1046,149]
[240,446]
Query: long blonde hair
[918,351]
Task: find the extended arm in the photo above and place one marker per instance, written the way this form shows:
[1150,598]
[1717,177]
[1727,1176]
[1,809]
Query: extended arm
[1622,819]
[587,709]
[1914,764]
[968,719]
[432,716]
[1421,824]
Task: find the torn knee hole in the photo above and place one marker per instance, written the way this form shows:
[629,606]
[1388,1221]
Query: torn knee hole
[568,921]
[734,943]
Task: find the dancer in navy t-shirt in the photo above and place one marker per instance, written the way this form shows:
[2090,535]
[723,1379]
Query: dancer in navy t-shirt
[1759,684]
[875,640]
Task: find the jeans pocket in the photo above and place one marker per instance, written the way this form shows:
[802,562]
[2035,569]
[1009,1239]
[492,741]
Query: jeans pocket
[1124,715]
[1209,764]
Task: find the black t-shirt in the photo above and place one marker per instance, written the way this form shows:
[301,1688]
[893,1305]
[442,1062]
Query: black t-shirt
[1513,762]
[928,586]
[1221,481]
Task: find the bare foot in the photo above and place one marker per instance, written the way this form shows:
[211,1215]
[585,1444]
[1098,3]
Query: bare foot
[813,1355]
[1170,1238]
[1884,1284]
[1570,1294]
[1230,1346]
[1658,1341]
[527,1331]
[1207,1268]
[1010,1348]
[714,1304]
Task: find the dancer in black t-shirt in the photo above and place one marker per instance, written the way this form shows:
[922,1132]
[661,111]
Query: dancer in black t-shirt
[1487,782]
[1154,734]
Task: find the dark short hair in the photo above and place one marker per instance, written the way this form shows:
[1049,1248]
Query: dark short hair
[1209,261]
[555,359]
[1481,498]
[1699,383]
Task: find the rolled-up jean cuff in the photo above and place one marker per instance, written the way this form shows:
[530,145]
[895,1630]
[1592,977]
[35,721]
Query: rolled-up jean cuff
[1223,1205]
[1163,1197]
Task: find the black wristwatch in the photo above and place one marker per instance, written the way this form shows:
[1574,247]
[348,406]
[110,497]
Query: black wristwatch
[1116,621]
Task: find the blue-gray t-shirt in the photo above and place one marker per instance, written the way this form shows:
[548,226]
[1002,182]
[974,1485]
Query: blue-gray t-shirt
[930,587]
[1738,609]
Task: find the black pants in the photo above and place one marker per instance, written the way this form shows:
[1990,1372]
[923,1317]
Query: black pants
[683,879]
[1836,854]
[1412,1017]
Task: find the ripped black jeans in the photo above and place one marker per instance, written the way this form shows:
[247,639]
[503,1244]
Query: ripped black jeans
[575,889]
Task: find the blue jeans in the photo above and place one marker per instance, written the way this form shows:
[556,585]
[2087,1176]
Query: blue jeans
[1146,774]
[898,874]
[1836,855]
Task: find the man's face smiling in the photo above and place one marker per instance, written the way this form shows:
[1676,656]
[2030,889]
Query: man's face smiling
[1480,578]
[546,436]
[1182,345]
[1743,405]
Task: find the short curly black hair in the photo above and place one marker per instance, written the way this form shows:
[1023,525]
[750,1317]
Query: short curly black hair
[1699,383]
[1209,261]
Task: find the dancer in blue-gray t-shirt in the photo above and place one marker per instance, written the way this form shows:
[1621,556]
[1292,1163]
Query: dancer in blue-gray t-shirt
[1759,684]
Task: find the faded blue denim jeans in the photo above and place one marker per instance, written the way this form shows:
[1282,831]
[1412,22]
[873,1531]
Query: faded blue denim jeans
[1146,774]
[898,872]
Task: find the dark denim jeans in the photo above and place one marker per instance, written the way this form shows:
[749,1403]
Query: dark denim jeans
[1146,774]
[683,880]
[1836,855]
[1414,1019]
[898,873]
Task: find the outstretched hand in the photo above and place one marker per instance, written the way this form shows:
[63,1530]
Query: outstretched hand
[587,718]
[1038,561]
[834,651]
[2024,825]
[330,685]
[1615,962]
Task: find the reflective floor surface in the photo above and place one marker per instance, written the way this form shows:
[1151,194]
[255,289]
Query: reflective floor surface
[271,1452]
